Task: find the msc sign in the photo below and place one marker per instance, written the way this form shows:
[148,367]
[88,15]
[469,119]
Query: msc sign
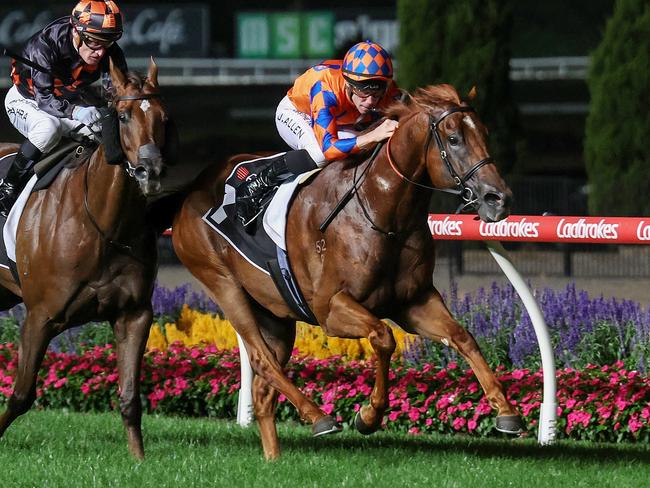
[285,35]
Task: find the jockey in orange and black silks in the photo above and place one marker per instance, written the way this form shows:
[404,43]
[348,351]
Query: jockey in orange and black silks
[51,95]
[321,116]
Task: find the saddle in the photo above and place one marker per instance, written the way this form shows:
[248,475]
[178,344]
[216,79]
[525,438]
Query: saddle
[68,154]
[253,242]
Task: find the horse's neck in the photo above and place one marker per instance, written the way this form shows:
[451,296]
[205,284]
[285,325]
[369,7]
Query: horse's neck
[111,194]
[399,198]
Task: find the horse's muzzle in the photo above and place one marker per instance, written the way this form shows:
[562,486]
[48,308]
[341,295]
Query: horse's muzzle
[147,172]
[494,205]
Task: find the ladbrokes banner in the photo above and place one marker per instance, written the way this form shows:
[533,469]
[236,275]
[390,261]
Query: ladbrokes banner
[532,228]
[165,31]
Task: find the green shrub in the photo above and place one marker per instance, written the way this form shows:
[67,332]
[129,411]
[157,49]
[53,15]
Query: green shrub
[465,43]
[618,124]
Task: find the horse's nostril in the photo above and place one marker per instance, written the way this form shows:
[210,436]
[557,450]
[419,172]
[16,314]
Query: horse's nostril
[140,173]
[492,198]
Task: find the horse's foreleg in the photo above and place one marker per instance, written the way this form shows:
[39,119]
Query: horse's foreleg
[347,318]
[34,339]
[430,318]
[131,332]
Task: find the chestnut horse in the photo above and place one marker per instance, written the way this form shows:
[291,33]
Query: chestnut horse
[375,260]
[84,252]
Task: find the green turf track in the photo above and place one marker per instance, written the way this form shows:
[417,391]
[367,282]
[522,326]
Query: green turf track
[59,449]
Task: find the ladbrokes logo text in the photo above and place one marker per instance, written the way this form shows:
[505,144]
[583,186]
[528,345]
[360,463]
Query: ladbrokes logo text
[521,228]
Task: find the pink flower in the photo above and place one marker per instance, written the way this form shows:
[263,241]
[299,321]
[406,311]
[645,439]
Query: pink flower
[634,424]
[621,404]
[645,413]
[414,414]
[459,423]
[392,416]
[60,383]
[471,425]
[518,374]
[328,408]
[483,408]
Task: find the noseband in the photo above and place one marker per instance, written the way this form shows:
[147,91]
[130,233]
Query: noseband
[462,190]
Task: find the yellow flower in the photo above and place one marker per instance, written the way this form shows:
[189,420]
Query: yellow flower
[195,327]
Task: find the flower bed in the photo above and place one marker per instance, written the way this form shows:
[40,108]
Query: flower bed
[608,403]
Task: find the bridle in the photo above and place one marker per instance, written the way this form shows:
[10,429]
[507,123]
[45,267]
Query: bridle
[469,198]
[131,170]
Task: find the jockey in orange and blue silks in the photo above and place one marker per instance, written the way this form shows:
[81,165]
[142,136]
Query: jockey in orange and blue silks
[321,116]
[332,101]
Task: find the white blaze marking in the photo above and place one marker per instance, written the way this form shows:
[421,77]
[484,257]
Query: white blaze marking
[468,120]
[144,105]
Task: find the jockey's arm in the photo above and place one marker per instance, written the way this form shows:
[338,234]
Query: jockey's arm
[323,113]
[380,133]
[43,84]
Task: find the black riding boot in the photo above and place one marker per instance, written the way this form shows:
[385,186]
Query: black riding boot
[252,196]
[18,175]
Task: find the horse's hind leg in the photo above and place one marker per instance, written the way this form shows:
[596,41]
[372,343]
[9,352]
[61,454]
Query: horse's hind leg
[348,319]
[131,332]
[430,318]
[34,339]
[280,336]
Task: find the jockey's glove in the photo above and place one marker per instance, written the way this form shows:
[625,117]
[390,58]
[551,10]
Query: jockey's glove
[86,115]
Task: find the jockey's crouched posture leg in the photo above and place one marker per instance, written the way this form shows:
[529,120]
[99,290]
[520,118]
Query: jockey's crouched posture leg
[42,132]
[19,174]
[252,196]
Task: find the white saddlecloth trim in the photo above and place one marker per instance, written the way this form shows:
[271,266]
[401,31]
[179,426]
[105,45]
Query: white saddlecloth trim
[9,231]
[275,217]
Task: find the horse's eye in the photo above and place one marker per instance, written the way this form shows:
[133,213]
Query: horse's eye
[453,140]
[123,117]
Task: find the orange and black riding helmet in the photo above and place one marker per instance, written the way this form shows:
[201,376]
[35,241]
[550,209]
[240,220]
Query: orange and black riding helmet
[98,19]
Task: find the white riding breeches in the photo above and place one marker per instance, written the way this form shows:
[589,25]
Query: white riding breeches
[295,128]
[42,129]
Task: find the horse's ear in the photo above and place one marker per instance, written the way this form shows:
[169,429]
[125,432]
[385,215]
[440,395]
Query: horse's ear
[117,77]
[472,93]
[405,97]
[152,75]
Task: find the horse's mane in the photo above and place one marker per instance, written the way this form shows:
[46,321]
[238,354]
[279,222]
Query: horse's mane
[426,98]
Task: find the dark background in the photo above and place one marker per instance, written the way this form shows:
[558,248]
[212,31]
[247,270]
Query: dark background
[215,121]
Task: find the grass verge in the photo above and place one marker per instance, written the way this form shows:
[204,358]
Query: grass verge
[60,449]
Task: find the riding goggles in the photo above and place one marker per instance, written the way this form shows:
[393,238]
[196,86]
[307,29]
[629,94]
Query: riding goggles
[95,44]
[367,93]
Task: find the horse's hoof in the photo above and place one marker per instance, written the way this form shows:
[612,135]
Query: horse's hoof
[510,424]
[361,426]
[325,425]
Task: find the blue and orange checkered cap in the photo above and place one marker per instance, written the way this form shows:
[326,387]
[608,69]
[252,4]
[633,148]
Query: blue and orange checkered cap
[367,60]
[101,19]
